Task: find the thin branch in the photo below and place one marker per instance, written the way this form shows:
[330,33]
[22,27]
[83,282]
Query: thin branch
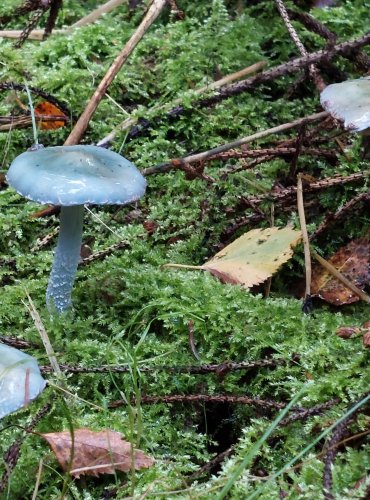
[235,144]
[313,71]
[190,369]
[294,66]
[129,122]
[203,398]
[82,123]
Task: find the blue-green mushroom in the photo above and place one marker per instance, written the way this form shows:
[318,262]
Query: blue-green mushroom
[20,380]
[72,176]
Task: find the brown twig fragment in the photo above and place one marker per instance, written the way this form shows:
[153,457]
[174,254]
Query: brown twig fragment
[82,123]
[203,398]
[313,71]
[235,144]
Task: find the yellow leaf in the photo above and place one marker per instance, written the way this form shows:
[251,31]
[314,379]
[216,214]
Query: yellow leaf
[253,257]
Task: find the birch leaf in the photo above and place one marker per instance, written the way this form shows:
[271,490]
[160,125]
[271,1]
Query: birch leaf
[253,257]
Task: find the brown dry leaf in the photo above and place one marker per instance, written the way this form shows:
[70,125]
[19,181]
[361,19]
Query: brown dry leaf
[95,452]
[352,261]
[366,339]
[45,108]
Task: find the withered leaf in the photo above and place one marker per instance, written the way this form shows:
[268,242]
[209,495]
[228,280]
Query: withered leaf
[253,257]
[95,452]
[352,261]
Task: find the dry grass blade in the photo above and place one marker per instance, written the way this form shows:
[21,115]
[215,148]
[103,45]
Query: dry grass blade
[44,336]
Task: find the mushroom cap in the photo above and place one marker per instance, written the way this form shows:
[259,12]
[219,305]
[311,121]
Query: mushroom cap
[76,175]
[349,101]
[20,379]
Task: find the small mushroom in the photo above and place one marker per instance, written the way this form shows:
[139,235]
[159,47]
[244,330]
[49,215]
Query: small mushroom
[20,379]
[349,101]
[72,176]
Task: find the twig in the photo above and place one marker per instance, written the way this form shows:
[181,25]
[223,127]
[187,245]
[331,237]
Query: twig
[203,398]
[16,342]
[129,122]
[334,272]
[88,19]
[306,244]
[345,49]
[191,369]
[320,84]
[309,412]
[235,144]
[206,468]
[82,123]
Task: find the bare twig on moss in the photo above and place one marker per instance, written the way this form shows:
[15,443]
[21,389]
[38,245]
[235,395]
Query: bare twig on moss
[203,398]
[294,66]
[203,369]
[90,18]
[131,121]
[235,144]
[313,71]
[83,122]
[309,412]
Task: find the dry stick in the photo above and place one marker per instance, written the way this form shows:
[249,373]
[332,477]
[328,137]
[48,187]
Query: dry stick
[82,123]
[203,398]
[306,243]
[345,49]
[320,84]
[190,369]
[235,144]
[129,122]
[334,272]
[89,19]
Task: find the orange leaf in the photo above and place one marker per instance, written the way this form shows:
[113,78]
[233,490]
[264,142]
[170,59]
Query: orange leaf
[95,452]
[46,109]
[352,261]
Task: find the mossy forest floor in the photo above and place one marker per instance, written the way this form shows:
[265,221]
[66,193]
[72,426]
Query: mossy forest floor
[131,313]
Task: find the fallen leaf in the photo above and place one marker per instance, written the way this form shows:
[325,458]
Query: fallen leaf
[20,379]
[45,108]
[366,339]
[95,452]
[346,332]
[253,257]
[352,261]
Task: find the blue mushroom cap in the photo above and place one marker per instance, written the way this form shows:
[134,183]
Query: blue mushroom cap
[76,175]
[20,379]
[349,101]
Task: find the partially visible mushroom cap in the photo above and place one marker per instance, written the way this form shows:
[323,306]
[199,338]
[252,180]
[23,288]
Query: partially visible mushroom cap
[20,379]
[76,175]
[350,102]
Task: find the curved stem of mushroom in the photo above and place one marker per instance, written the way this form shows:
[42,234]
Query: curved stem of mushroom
[66,259]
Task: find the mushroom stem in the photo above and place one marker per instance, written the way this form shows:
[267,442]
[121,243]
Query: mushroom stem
[66,259]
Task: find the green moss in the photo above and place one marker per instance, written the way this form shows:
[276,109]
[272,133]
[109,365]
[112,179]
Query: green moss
[131,311]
